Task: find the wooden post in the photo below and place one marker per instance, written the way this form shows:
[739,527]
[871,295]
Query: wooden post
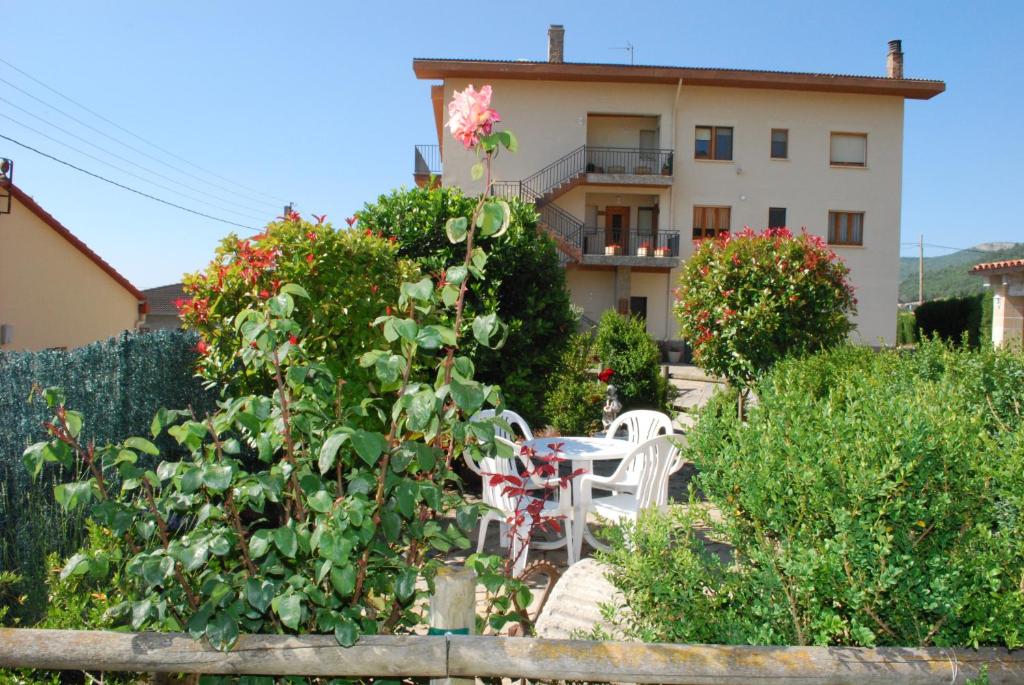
[453,609]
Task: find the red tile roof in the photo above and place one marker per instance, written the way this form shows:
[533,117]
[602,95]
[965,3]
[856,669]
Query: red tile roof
[50,221]
[993,266]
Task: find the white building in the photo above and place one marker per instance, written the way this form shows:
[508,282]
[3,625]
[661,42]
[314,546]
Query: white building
[629,164]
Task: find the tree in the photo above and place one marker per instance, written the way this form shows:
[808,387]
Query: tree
[525,285]
[746,301]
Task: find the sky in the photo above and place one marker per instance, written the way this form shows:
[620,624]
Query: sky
[264,103]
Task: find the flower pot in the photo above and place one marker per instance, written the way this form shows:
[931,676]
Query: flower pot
[661,252]
[641,252]
[675,356]
[612,251]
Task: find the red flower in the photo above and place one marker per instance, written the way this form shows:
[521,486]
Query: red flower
[309,259]
[369,233]
[387,310]
[253,345]
[605,375]
[374,288]
[392,240]
[265,294]
[320,218]
[351,220]
[311,235]
[293,340]
[202,347]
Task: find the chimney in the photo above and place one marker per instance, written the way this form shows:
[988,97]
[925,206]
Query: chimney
[556,43]
[894,60]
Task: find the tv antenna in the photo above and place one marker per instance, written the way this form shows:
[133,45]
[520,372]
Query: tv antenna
[628,48]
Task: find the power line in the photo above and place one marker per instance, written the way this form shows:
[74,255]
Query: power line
[128,188]
[125,159]
[125,171]
[262,195]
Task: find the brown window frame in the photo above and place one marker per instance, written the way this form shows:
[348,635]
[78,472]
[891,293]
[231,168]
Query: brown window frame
[721,216]
[771,142]
[833,228]
[713,150]
[850,165]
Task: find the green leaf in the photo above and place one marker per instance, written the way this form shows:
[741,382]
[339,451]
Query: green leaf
[142,445]
[483,327]
[450,295]
[294,289]
[259,593]
[32,458]
[289,608]
[432,337]
[368,445]
[389,368]
[216,478]
[343,580]
[259,543]
[77,565]
[191,480]
[222,631]
[476,171]
[140,612]
[329,450]
[405,584]
[508,139]
[392,525]
[346,632]
[406,329]
[321,501]
[469,396]
[405,497]
[194,556]
[421,409]
[74,421]
[285,540]
[420,290]
[456,228]
[71,496]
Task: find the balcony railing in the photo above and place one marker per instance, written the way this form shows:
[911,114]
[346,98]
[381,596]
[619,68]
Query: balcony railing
[630,161]
[427,161]
[630,243]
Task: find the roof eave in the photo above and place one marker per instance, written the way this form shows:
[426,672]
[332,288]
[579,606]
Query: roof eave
[916,89]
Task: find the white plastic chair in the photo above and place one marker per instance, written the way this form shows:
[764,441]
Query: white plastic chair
[503,505]
[641,425]
[654,460]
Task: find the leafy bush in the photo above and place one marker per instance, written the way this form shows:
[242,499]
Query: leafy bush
[525,286]
[906,333]
[623,345]
[871,499]
[746,301]
[956,317]
[350,277]
[121,381]
[575,400]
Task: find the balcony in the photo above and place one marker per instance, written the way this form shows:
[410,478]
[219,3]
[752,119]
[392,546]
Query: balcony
[427,164]
[616,247]
[621,161]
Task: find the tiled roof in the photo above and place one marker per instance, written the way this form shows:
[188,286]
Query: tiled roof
[993,266]
[161,299]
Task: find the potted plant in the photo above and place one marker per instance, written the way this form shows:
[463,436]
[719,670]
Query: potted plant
[612,250]
[643,250]
[661,252]
[675,354]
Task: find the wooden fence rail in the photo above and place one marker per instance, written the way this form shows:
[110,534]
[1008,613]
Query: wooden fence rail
[458,656]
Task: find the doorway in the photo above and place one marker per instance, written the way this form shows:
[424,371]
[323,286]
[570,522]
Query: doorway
[616,227]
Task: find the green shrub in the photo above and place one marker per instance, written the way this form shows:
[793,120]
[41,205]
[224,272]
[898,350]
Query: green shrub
[525,285]
[871,499]
[575,399]
[906,333]
[746,301]
[624,346]
[955,317]
[120,382]
[350,277]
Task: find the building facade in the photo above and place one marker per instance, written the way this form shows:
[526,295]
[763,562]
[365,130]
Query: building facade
[55,292]
[629,165]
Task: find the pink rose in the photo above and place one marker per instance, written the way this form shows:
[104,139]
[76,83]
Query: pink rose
[470,115]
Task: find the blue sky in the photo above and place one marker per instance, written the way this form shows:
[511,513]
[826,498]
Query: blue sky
[316,102]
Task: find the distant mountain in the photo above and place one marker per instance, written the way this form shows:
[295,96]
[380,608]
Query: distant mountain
[947,275]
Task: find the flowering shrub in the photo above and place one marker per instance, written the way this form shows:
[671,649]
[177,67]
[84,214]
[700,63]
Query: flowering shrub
[306,509]
[350,274]
[623,345]
[869,499]
[746,301]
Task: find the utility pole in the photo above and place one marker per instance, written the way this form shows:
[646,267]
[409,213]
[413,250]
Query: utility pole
[920,270]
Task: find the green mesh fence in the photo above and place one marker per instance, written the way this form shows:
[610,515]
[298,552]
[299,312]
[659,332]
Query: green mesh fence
[118,384]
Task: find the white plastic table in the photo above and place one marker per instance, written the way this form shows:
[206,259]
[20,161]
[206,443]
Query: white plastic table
[583,452]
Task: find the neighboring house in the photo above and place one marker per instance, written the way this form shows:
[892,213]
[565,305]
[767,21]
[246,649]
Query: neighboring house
[629,164]
[1006,278]
[163,312]
[54,290]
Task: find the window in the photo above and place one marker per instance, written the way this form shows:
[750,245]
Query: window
[848,149]
[713,142]
[776,217]
[846,228]
[638,307]
[709,222]
[780,143]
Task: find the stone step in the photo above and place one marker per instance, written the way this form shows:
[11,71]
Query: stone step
[689,372]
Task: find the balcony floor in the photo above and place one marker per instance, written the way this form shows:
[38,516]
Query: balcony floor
[665,263]
[639,180]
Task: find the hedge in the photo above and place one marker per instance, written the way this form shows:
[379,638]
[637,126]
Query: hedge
[952,317]
[118,384]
